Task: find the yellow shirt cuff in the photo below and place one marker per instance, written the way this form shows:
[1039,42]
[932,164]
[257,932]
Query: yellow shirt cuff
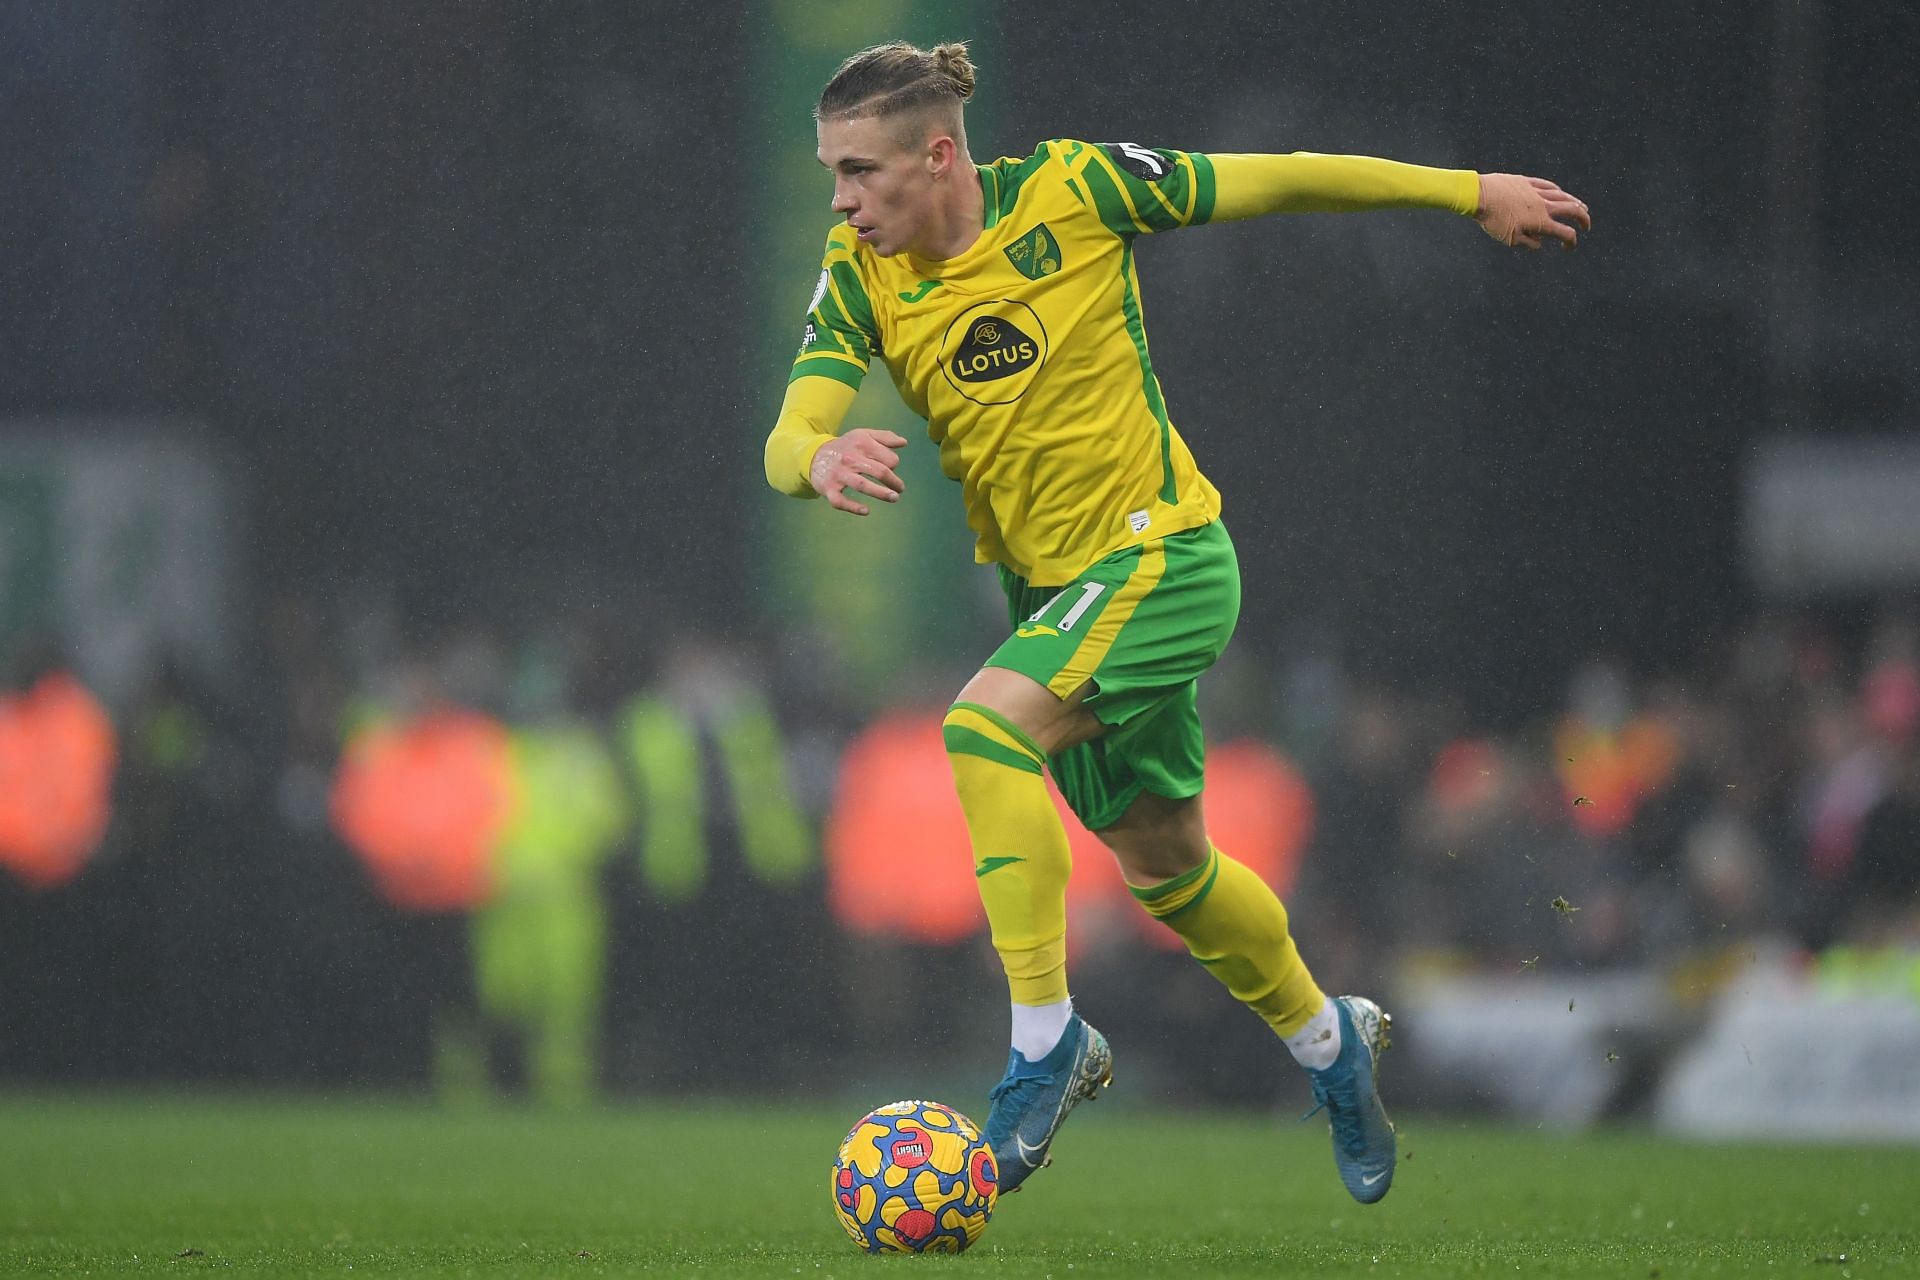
[810,416]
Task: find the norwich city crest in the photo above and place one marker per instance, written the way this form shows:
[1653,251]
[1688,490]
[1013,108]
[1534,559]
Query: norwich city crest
[1036,254]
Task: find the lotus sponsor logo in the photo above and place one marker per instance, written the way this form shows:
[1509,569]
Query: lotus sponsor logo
[993,351]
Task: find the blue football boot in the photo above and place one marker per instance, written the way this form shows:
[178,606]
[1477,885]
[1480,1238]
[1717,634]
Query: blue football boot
[1032,1100]
[1363,1141]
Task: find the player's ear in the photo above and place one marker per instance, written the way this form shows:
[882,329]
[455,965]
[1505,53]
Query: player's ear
[941,152]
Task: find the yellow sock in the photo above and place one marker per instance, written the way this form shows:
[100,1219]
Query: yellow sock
[1019,848]
[1235,926]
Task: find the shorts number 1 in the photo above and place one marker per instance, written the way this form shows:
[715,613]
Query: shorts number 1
[1089,592]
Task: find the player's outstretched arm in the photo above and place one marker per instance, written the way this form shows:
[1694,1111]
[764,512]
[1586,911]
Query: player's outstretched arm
[1525,212]
[807,456]
[1515,210]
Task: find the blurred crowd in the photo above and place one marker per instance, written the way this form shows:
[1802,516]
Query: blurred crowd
[1773,793]
[590,852]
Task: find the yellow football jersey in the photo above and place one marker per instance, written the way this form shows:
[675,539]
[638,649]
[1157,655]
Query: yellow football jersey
[1027,354]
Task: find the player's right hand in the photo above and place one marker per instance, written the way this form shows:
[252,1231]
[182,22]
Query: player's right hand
[862,460]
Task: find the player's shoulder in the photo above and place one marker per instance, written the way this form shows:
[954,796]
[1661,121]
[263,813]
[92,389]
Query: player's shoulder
[1073,161]
[1135,188]
[1042,152]
[851,264]
[1147,164]
[1064,155]
[846,256]
[1050,168]
[842,243]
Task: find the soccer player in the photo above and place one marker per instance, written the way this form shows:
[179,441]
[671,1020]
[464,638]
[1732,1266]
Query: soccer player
[1003,300]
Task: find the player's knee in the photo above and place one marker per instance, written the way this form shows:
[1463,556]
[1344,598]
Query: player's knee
[977,731]
[1147,864]
[954,724]
[1158,838]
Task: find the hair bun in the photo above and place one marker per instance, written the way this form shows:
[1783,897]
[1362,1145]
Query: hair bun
[952,62]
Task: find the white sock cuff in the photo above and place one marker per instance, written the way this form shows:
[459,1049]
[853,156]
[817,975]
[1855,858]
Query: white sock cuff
[1037,1027]
[1317,1044]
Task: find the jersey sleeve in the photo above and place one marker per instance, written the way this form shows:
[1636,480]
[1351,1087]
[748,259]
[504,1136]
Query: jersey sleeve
[1305,182]
[841,337]
[1135,189]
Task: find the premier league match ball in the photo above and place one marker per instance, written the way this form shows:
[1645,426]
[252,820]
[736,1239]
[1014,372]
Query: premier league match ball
[914,1177]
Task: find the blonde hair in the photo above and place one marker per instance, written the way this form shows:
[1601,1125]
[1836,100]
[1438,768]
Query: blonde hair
[897,78]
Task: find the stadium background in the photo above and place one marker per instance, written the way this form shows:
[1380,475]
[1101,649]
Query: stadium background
[366,360]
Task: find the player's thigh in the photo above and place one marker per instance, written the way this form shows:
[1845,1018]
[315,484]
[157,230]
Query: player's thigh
[1160,751]
[1132,630]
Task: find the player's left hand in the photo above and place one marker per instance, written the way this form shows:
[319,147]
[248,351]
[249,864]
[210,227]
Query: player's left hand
[1527,212]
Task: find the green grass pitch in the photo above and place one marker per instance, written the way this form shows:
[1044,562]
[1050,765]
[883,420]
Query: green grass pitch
[120,1186]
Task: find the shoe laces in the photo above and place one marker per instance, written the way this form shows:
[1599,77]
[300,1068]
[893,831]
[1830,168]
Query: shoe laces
[1011,1084]
[1340,1099]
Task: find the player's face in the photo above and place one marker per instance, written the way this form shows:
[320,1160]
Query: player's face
[885,191]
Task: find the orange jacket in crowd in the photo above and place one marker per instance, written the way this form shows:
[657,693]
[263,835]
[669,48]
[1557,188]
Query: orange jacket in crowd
[1607,774]
[898,861]
[422,803]
[57,756]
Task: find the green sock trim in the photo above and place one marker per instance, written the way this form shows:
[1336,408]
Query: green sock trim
[1006,726]
[1195,900]
[1167,888]
[962,741]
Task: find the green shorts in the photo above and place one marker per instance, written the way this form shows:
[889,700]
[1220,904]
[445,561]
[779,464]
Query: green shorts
[1142,624]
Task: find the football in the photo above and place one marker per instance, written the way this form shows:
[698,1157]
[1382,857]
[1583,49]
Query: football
[914,1177]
